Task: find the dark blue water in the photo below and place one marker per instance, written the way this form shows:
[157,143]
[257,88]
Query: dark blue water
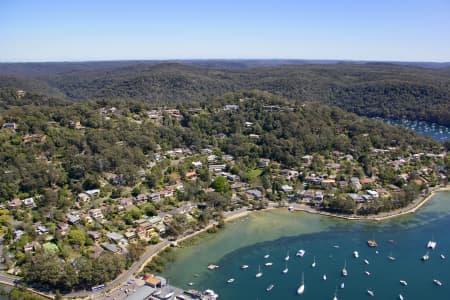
[433,130]
[404,238]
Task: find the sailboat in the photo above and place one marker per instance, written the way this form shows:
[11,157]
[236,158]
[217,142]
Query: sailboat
[335,295]
[285,269]
[286,258]
[313,265]
[403,282]
[301,288]
[371,293]
[344,270]
[324,277]
[342,285]
[259,274]
[400,296]
[391,257]
[431,244]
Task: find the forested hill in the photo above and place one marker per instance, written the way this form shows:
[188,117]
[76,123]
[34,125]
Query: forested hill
[372,89]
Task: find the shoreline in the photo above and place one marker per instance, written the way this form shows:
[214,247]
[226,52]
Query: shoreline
[411,208]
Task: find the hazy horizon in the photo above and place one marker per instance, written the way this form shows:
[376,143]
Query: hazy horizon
[348,30]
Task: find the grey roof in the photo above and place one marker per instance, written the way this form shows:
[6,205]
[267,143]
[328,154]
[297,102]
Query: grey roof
[141,293]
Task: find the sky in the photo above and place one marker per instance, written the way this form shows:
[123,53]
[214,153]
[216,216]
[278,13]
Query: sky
[82,30]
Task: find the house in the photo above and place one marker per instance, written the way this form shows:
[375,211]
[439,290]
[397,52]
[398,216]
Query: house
[125,202]
[253,136]
[130,235]
[366,180]
[155,196]
[307,158]
[96,214]
[217,168]
[95,235]
[318,196]
[10,126]
[227,157]
[328,182]
[29,202]
[355,197]
[254,193]
[152,281]
[287,188]
[197,164]
[14,203]
[75,124]
[114,236]
[18,234]
[38,138]
[110,247]
[93,193]
[40,230]
[205,151]
[248,124]
[373,194]
[289,174]
[212,158]
[20,93]
[140,198]
[231,107]
[191,175]
[264,162]
[72,218]
[31,247]
[63,228]
[355,183]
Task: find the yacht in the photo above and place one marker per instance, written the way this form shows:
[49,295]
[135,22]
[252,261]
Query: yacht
[268,264]
[355,254]
[285,269]
[342,285]
[243,267]
[367,273]
[231,280]
[169,295]
[313,265]
[372,243]
[403,282]
[426,257]
[371,293]
[335,295]
[390,257]
[259,274]
[366,261]
[266,256]
[270,287]
[437,282]
[442,256]
[286,258]
[301,252]
[190,283]
[400,297]
[301,288]
[211,294]
[324,277]
[431,244]
[344,270]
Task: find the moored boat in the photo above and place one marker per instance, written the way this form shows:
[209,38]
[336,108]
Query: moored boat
[442,256]
[259,274]
[268,264]
[400,297]
[426,257]
[367,273]
[286,258]
[372,243]
[266,256]
[313,265]
[324,277]
[344,270]
[366,261]
[342,285]
[231,280]
[437,282]
[301,252]
[403,282]
[371,293]
[301,288]
[270,287]
[285,269]
[243,267]
[355,254]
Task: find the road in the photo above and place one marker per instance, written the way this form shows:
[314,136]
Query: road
[121,281]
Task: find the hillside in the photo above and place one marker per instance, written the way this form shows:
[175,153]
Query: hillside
[372,89]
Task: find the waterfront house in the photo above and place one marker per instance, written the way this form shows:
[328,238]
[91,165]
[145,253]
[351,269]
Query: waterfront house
[111,247]
[114,236]
[287,188]
[197,164]
[14,203]
[254,194]
[95,235]
[264,162]
[96,214]
[73,218]
[231,107]
[10,126]
[29,202]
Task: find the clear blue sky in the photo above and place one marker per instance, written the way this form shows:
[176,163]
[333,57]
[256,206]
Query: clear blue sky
[71,30]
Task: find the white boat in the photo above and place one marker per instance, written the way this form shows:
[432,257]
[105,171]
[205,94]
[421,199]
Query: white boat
[426,257]
[301,288]
[391,257]
[259,274]
[211,294]
[442,256]
[268,264]
[169,295]
[157,293]
[231,280]
[285,269]
[301,252]
[313,265]
[335,295]
[366,261]
[324,277]
[286,258]
[400,297]
[355,254]
[371,293]
[344,270]
[190,283]
[431,244]
[243,267]
[367,273]
[270,287]
[403,282]
[342,285]
[437,282]
[266,256]
[336,246]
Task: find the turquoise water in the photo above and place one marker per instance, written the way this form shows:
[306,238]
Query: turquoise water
[433,130]
[276,232]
